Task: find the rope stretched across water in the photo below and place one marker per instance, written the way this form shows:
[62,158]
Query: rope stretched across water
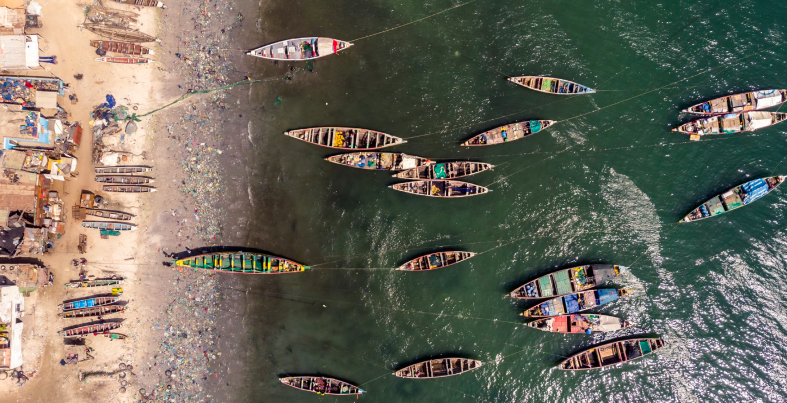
[413,22]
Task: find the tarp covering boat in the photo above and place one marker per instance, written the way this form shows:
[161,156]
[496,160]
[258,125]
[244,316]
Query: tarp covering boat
[731,123]
[438,368]
[577,302]
[350,138]
[508,133]
[734,198]
[567,281]
[747,101]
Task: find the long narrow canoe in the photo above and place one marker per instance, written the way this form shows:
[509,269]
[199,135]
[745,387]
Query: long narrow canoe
[300,49]
[734,198]
[435,261]
[128,188]
[94,283]
[123,60]
[118,33]
[143,3]
[567,281]
[440,188]
[379,160]
[94,329]
[439,368]
[579,323]
[577,302]
[95,311]
[444,170]
[89,303]
[242,262]
[128,180]
[122,169]
[508,133]
[731,123]
[747,101]
[126,48]
[611,354]
[110,214]
[551,85]
[322,385]
[345,138]
[109,226]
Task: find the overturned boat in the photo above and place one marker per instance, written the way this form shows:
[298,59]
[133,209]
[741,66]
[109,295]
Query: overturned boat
[731,123]
[125,48]
[734,198]
[551,85]
[579,323]
[322,385]
[379,160]
[242,262]
[444,170]
[124,179]
[94,329]
[347,138]
[567,281]
[309,48]
[577,302]
[89,303]
[435,261]
[94,311]
[747,101]
[508,133]
[612,353]
[440,188]
[439,368]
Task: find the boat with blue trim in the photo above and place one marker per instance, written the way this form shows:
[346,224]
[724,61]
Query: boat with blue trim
[735,198]
[508,133]
[747,101]
[576,302]
[567,281]
[241,263]
[731,123]
[551,85]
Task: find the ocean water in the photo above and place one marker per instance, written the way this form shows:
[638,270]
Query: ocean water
[607,184]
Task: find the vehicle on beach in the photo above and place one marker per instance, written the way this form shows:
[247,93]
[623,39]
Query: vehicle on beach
[736,103]
[576,302]
[735,198]
[508,133]
[551,85]
[567,281]
[379,161]
[322,385]
[440,188]
[579,323]
[346,138]
[109,226]
[611,354]
[436,260]
[731,123]
[309,48]
[241,263]
[438,368]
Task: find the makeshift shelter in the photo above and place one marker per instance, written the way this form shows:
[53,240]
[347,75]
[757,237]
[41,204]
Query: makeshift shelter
[19,52]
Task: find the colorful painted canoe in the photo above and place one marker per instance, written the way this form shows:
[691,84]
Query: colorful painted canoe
[124,60]
[300,49]
[508,133]
[322,385]
[94,329]
[94,283]
[89,303]
[731,123]
[438,368]
[577,302]
[735,198]
[440,188]
[109,226]
[242,263]
[552,85]
[345,138]
[444,170]
[611,354]
[126,179]
[567,281]
[126,48]
[128,188]
[122,169]
[94,311]
[579,323]
[379,161]
[747,101]
[109,214]
[436,260]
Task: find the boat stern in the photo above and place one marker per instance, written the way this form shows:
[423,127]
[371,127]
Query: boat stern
[622,269]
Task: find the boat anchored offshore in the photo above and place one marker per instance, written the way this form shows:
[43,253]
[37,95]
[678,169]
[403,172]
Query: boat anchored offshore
[579,323]
[322,385]
[731,123]
[577,302]
[444,170]
[440,188]
[435,261]
[242,262]
[734,198]
[109,226]
[611,353]
[747,101]
[379,160]
[438,368]
[567,281]
[348,138]
[300,49]
[551,85]
[508,133]
[94,283]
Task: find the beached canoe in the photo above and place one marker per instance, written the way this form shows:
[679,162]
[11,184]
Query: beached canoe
[322,385]
[143,3]
[579,323]
[436,260]
[345,138]
[128,180]
[731,123]
[103,282]
[444,170]
[747,101]
[128,188]
[379,160]
[577,302]
[567,281]
[124,60]
[117,33]
[242,262]
[86,330]
[125,48]
[109,214]
[508,133]
[734,198]
[122,169]
[611,354]
[551,85]
[109,226]
[88,303]
[300,49]
[440,188]
[94,311]
[438,368]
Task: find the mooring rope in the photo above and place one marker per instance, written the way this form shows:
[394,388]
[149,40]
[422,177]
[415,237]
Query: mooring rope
[413,22]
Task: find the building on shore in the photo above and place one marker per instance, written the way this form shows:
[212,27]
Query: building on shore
[28,129]
[12,308]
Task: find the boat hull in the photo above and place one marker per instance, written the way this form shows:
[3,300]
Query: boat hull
[567,281]
[576,302]
[123,60]
[508,133]
[89,303]
[242,263]
[551,85]
[735,198]
[440,188]
[736,103]
[731,123]
[579,323]
[322,385]
[376,161]
[125,48]
[308,48]
[122,169]
[439,368]
[345,138]
[444,170]
[94,311]
[437,260]
[612,354]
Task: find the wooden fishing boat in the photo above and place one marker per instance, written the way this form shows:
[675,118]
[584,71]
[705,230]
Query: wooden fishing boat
[128,188]
[734,198]
[567,281]
[731,123]
[611,354]
[438,368]
[143,3]
[379,160]
[103,310]
[440,188]
[508,133]
[346,138]
[577,302]
[125,48]
[118,33]
[109,226]
[123,60]
[94,329]
[300,49]
[88,303]
[109,214]
[242,262]
[579,323]
[122,169]
[128,180]
[322,385]
[747,101]
[103,282]
[444,170]
[551,85]
[436,260]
